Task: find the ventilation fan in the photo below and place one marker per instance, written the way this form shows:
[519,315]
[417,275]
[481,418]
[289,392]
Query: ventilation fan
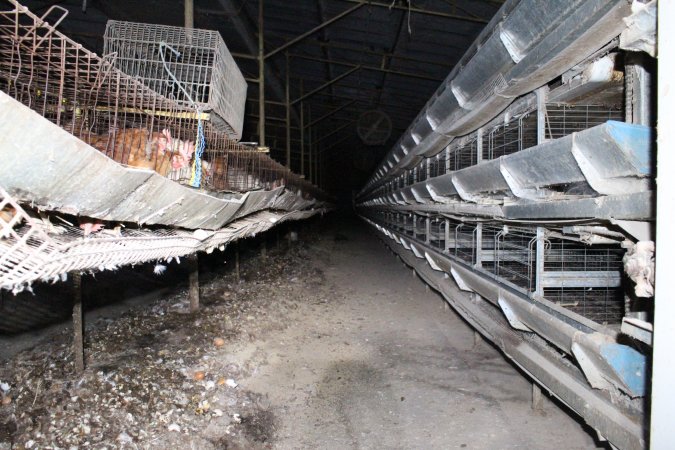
[374,127]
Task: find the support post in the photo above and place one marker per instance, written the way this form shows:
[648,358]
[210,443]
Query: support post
[193,290]
[542,93]
[479,145]
[302,133]
[78,326]
[325,85]
[479,245]
[539,261]
[261,75]
[263,248]
[189,14]
[288,112]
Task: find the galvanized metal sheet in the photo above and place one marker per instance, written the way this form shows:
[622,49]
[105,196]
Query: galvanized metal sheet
[54,170]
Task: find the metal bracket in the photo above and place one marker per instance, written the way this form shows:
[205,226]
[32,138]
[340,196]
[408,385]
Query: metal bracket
[517,189]
[459,280]
[511,316]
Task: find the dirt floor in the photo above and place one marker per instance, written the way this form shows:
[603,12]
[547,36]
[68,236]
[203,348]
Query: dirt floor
[331,344]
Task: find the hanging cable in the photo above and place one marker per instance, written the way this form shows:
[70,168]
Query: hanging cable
[200,144]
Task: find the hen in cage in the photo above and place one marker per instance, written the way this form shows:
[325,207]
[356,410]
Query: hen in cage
[141,148]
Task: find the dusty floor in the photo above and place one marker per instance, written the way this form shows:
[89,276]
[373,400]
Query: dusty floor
[332,344]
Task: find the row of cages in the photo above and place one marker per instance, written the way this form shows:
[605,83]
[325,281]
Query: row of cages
[506,138]
[88,96]
[582,278]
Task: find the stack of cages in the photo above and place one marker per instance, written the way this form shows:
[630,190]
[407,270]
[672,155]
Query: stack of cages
[141,119]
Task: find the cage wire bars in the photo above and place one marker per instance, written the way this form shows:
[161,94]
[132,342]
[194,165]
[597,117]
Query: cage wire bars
[124,118]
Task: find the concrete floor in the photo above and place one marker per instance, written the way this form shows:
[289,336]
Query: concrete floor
[371,359]
[384,364]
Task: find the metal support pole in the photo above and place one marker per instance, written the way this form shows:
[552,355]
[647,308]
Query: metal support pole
[539,262]
[261,75]
[479,145]
[288,112]
[193,290]
[479,245]
[189,14]
[302,133]
[542,94]
[78,327]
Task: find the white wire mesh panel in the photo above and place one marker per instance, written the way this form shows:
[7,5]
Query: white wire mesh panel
[198,59]
[37,249]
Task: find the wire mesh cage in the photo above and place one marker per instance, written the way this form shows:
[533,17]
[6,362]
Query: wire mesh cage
[511,137]
[437,165]
[121,116]
[410,177]
[422,170]
[420,224]
[463,154]
[437,233]
[587,278]
[464,242]
[563,119]
[583,278]
[190,66]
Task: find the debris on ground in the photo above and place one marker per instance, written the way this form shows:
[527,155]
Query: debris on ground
[158,376]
